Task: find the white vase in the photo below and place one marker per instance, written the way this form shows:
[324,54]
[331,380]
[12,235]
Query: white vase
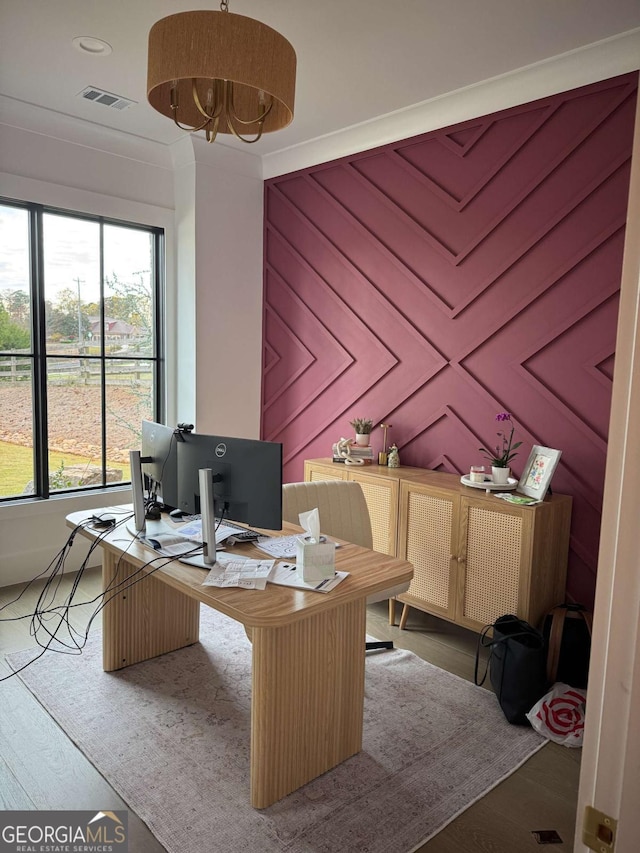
[500,476]
[362,439]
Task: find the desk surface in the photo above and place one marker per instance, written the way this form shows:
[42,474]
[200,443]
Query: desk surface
[369,572]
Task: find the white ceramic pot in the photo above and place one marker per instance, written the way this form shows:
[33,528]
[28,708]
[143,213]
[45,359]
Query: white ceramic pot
[500,476]
[362,439]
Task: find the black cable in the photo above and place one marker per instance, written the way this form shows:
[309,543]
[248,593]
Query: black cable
[62,611]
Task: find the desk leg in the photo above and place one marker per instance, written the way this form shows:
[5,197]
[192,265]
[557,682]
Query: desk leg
[146,620]
[307,700]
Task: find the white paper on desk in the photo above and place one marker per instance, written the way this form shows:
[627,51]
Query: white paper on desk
[287,574]
[234,571]
[171,546]
[193,530]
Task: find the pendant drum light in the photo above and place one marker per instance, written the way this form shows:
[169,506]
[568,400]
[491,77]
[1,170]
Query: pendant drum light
[221,73]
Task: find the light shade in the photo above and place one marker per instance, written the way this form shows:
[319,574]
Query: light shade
[190,51]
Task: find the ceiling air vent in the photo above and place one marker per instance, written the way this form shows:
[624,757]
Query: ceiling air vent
[107,99]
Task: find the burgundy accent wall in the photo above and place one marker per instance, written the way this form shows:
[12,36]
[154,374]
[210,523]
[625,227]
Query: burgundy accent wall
[435,282]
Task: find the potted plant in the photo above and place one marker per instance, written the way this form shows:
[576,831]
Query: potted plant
[503,452]
[362,427]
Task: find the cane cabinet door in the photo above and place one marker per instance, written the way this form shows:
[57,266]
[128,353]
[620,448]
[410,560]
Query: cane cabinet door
[492,561]
[381,489]
[429,539]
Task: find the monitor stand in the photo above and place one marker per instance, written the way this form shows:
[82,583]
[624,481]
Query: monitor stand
[207,559]
[141,526]
[151,529]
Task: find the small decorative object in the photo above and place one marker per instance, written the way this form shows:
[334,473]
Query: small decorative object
[343,448]
[538,471]
[363,427]
[505,450]
[394,457]
[382,456]
[477,474]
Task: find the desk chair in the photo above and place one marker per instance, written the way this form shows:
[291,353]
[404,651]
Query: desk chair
[343,514]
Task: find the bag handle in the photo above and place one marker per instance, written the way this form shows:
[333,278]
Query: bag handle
[491,643]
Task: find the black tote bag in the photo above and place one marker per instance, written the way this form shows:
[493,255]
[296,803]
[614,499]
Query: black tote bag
[516,665]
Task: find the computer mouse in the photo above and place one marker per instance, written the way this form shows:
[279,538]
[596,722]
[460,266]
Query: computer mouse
[176,514]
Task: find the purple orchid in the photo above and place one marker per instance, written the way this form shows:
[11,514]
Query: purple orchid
[505,450]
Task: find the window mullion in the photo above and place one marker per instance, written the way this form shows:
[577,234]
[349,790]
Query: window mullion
[103,371]
[39,333]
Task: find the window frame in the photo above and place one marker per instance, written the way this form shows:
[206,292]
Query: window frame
[39,356]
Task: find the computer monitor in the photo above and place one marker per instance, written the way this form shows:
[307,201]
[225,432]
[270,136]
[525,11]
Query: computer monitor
[246,476]
[160,462]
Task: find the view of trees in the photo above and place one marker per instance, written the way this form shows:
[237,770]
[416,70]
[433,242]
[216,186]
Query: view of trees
[13,333]
[68,320]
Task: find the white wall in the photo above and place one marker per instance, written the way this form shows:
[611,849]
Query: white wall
[213,275]
[219,194]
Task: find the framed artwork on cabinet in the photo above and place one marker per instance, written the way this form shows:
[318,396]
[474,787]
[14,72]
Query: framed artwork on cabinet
[538,471]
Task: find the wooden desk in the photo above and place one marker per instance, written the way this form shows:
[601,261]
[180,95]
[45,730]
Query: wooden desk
[308,649]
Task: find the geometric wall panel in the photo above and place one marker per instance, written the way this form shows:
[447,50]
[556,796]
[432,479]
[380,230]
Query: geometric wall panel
[437,281]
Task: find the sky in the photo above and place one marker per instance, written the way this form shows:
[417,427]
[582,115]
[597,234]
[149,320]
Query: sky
[71,249]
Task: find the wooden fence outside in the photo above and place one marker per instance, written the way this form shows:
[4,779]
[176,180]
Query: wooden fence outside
[84,371]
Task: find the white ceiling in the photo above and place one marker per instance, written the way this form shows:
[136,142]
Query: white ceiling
[357,59]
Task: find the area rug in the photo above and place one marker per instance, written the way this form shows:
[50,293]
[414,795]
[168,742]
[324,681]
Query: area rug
[171,736]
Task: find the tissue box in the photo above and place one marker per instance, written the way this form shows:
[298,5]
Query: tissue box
[316,560]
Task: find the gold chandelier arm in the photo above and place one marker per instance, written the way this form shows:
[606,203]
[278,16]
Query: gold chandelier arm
[231,116]
[186,126]
[212,132]
[231,110]
[174,113]
[243,138]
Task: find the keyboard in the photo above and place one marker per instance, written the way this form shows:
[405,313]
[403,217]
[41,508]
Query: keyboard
[244,535]
[240,534]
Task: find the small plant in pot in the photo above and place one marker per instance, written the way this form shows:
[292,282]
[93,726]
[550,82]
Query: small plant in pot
[362,427]
[504,451]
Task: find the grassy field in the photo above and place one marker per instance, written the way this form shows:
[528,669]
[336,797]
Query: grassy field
[16,467]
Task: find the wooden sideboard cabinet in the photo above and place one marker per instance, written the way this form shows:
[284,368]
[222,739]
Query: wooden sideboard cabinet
[381,487]
[475,557]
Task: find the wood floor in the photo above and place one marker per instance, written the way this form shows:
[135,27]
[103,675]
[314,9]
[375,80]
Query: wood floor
[40,768]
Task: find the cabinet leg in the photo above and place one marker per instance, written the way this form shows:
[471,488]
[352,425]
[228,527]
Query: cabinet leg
[392,611]
[404,617]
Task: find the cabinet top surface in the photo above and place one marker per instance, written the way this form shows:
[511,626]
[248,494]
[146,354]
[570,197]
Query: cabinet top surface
[404,472]
[426,477]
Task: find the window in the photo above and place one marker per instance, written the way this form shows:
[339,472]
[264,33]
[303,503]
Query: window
[80,347]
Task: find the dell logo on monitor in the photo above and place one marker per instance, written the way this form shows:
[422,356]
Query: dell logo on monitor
[221,449]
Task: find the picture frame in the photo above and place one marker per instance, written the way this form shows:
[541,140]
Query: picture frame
[538,471]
